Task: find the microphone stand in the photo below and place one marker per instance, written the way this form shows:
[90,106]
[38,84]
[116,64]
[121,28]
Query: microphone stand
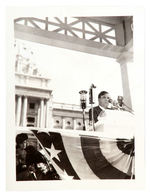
[121,104]
[129,109]
[83,105]
[91,102]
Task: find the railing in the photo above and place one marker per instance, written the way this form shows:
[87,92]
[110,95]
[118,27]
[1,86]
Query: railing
[67,106]
[31,80]
[78,27]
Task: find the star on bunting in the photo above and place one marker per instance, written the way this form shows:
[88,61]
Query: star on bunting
[53,152]
[65,176]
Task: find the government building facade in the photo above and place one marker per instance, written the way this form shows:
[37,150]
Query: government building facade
[35,105]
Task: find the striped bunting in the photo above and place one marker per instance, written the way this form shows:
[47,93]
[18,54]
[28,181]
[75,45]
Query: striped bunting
[76,156]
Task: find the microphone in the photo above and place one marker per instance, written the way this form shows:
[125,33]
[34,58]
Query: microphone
[114,104]
[110,101]
[120,105]
[93,86]
[91,94]
[91,102]
[120,101]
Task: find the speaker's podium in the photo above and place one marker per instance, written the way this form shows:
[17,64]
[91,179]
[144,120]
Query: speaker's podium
[116,124]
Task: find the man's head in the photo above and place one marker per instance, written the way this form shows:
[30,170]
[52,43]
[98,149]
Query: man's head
[21,140]
[103,99]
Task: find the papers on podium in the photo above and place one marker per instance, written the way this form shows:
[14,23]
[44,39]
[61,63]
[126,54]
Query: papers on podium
[119,124]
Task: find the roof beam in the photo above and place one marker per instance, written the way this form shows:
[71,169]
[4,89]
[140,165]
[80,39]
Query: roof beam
[66,42]
[110,21]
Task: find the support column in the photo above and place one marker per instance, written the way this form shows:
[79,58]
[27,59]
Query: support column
[47,121]
[86,125]
[24,113]
[38,117]
[126,56]
[16,98]
[42,113]
[19,104]
[125,84]
[50,112]
[63,123]
[74,124]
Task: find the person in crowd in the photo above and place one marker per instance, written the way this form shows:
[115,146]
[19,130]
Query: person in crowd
[99,111]
[21,144]
[37,167]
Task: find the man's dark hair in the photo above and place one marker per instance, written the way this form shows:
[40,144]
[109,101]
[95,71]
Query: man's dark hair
[102,93]
[20,138]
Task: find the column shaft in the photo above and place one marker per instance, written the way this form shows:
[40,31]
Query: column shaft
[74,124]
[42,113]
[47,123]
[24,118]
[63,123]
[38,117]
[19,103]
[125,85]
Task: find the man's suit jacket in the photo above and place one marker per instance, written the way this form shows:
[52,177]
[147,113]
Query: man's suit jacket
[96,112]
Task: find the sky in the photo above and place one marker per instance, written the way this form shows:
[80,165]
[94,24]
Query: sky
[71,71]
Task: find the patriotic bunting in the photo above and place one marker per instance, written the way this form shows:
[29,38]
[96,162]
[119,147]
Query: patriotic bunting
[85,156]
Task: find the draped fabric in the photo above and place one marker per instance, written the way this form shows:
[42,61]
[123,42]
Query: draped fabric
[79,155]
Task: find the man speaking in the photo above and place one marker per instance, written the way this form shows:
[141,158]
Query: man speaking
[99,111]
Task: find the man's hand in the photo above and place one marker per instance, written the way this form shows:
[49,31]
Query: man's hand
[102,114]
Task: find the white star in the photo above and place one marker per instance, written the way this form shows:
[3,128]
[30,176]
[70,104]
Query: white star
[65,176]
[53,152]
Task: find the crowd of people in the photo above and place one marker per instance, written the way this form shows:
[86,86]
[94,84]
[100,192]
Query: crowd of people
[30,163]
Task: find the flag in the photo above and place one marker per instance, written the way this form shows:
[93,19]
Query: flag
[79,155]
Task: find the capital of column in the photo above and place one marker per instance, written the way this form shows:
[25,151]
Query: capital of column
[24,96]
[46,100]
[125,57]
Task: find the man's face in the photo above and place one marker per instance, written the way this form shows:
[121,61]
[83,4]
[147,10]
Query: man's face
[104,100]
[24,144]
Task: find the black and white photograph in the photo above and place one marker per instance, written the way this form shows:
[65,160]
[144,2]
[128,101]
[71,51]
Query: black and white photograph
[77,107]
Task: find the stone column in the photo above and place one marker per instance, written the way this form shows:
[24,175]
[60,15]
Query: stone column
[50,115]
[63,123]
[47,121]
[38,117]
[16,98]
[125,57]
[74,124]
[19,104]
[125,85]
[24,113]
[86,125]
[42,113]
